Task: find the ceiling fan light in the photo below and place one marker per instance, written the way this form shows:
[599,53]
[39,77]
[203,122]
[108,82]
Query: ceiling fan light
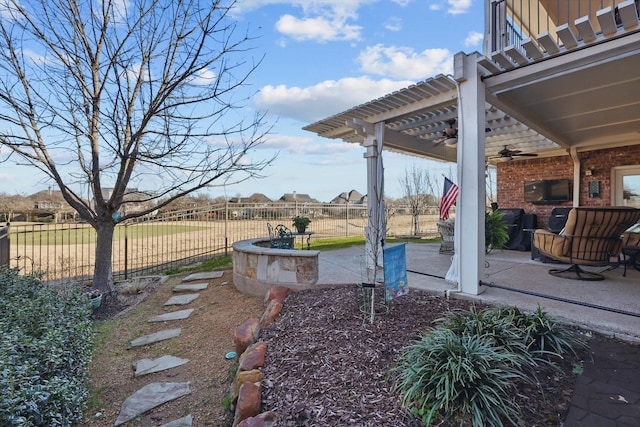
[505,158]
[451,142]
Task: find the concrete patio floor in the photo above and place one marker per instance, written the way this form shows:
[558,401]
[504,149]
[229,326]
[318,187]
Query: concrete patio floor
[611,306]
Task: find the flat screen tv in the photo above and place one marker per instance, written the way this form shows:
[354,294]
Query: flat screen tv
[547,191]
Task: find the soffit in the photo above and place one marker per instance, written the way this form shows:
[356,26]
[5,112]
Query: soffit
[585,99]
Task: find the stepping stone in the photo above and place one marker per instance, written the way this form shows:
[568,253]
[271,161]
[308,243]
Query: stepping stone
[181,299]
[203,276]
[155,337]
[148,397]
[149,366]
[174,315]
[191,287]
[182,422]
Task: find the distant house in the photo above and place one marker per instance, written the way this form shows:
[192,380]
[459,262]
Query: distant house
[352,198]
[296,198]
[133,200]
[50,204]
[254,198]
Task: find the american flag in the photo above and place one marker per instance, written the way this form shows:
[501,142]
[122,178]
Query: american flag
[449,196]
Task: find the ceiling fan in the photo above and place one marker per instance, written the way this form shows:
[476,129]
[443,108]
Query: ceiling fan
[449,135]
[506,155]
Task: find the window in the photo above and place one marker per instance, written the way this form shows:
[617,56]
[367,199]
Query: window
[626,186]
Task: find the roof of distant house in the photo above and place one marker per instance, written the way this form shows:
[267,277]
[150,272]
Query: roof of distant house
[352,197]
[297,197]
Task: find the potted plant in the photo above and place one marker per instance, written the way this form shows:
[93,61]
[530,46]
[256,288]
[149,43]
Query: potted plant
[495,231]
[95,296]
[301,223]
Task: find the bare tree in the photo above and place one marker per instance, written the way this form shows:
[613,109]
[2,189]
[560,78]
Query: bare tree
[114,96]
[418,187]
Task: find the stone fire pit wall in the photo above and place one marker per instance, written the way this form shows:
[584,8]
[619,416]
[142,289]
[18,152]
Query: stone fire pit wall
[257,267]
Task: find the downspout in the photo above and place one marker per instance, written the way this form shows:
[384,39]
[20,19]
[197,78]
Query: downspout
[576,176]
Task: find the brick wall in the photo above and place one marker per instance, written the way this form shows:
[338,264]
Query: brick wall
[511,177]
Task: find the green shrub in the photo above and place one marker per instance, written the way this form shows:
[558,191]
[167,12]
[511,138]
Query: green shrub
[495,231]
[540,334]
[545,336]
[460,377]
[495,323]
[45,346]
[467,368]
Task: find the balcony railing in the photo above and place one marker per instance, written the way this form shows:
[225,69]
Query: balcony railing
[556,25]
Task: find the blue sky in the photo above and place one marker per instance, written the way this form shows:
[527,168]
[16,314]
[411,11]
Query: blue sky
[322,57]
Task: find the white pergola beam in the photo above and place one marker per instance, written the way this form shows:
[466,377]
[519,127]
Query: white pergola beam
[532,49]
[628,14]
[548,43]
[607,21]
[566,35]
[585,29]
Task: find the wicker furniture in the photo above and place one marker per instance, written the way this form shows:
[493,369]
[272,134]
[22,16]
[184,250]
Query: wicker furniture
[445,228]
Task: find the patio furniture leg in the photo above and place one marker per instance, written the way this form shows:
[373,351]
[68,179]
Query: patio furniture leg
[575,272]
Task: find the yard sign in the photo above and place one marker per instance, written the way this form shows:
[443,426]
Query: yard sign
[395,272]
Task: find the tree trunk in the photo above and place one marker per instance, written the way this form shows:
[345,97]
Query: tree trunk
[103,273]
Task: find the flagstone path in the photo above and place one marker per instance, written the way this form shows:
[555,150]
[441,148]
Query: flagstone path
[156,394]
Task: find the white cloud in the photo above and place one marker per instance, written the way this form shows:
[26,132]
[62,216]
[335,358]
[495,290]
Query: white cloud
[473,39]
[35,58]
[324,99]
[404,62]
[294,144]
[393,24]
[457,7]
[308,6]
[203,77]
[321,29]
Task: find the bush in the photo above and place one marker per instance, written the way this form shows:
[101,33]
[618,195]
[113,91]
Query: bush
[460,377]
[466,369]
[45,346]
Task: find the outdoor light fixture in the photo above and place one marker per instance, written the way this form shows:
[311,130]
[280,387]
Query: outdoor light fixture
[451,142]
[450,134]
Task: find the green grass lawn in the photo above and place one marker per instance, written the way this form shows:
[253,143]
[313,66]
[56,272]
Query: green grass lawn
[86,234]
[328,244]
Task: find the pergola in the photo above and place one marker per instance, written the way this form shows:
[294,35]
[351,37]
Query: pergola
[546,108]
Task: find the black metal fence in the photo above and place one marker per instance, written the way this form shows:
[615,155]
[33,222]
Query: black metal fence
[171,239]
[4,246]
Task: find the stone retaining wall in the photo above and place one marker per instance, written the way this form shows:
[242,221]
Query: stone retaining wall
[257,267]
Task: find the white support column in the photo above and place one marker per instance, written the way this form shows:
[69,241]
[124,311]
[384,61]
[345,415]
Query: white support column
[470,210]
[375,231]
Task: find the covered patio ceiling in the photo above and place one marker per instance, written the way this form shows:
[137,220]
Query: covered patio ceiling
[584,100]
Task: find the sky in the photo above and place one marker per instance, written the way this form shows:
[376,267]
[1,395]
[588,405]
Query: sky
[322,57]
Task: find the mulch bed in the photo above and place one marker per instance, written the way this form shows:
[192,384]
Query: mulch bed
[325,366]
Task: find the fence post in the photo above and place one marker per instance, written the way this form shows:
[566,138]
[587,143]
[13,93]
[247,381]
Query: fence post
[126,253]
[226,223]
[4,245]
[346,223]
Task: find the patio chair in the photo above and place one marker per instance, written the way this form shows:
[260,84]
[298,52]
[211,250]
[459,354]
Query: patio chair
[591,237]
[280,237]
[630,253]
[446,230]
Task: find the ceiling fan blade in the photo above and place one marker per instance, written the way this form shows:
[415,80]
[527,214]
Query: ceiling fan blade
[526,155]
